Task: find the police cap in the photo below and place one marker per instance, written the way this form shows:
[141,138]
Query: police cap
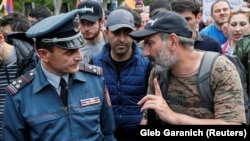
[62,30]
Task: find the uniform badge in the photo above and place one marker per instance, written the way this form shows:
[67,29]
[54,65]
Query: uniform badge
[76,23]
[91,69]
[20,82]
[90,101]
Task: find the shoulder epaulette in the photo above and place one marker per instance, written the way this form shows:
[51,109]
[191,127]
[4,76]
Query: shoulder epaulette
[91,69]
[20,82]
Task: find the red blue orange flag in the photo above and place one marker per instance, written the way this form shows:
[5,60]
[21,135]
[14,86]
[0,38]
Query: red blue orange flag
[8,6]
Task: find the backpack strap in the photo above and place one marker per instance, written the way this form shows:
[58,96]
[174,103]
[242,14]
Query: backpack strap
[248,89]
[248,75]
[203,80]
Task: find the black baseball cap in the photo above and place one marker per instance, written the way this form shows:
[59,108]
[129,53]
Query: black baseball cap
[93,10]
[166,22]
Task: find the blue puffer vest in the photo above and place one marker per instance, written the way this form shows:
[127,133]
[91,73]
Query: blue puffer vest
[126,91]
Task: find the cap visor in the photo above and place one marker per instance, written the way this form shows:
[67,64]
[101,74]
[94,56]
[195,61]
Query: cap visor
[71,44]
[142,33]
[118,26]
[89,18]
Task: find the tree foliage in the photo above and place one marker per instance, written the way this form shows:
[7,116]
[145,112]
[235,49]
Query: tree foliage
[24,6]
[56,6]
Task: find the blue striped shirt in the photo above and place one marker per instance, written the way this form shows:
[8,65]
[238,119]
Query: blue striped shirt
[8,74]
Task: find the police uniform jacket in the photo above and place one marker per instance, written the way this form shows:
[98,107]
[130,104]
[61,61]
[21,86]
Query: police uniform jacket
[36,112]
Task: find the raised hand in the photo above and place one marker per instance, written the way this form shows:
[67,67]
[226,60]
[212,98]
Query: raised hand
[157,103]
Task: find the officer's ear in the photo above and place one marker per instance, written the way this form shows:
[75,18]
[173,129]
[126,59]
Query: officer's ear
[43,54]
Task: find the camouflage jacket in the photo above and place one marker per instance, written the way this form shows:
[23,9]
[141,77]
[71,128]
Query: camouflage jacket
[226,84]
[242,48]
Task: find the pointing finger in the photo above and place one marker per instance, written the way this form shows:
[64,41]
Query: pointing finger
[157,88]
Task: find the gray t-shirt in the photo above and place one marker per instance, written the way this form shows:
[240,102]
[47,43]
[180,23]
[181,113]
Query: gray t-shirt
[89,50]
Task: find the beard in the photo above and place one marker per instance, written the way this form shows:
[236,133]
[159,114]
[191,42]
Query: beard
[165,60]
[95,34]
[220,22]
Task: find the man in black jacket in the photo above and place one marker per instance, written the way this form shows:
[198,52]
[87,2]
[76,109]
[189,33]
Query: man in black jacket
[17,53]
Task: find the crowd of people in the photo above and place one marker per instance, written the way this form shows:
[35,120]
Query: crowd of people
[92,74]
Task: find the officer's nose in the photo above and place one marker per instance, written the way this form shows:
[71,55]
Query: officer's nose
[78,55]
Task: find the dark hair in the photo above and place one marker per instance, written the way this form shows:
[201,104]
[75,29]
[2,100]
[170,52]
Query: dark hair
[40,13]
[137,18]
[41,45]
[181,6]
[159,5]
[17,21]
[218,1]
[138,3]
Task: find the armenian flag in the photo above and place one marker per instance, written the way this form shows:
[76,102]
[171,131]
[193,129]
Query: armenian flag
[8,6]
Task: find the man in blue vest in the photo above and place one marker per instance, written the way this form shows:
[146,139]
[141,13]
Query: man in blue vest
[125,71]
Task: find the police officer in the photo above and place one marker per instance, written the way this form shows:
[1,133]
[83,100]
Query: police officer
[34,109]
